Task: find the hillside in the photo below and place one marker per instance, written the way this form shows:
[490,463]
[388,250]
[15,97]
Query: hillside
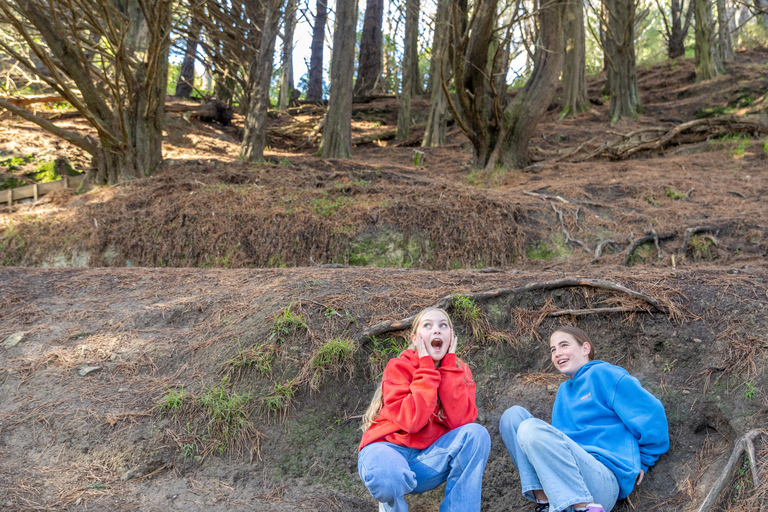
[211,352]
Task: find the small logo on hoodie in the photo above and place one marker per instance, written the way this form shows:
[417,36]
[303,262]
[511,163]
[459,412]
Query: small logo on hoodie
[586,396]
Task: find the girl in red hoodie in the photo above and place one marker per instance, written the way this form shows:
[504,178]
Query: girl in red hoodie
[419,429]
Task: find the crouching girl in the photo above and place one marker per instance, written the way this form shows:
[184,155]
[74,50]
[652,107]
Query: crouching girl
[606,432]
[419,429]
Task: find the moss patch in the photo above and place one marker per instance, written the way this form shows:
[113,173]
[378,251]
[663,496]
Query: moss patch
[385,248]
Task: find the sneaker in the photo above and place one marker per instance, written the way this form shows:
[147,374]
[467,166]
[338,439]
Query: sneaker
[594,507]
[541,507]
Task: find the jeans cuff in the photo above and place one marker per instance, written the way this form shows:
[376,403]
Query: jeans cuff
[562,506]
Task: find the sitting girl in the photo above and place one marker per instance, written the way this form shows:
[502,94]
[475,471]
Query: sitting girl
[606,432]
[418,429]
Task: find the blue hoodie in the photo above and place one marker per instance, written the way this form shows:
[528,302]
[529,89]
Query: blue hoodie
[609,414]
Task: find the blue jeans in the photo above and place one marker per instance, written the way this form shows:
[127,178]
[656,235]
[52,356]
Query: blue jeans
[549,460]
[390,471]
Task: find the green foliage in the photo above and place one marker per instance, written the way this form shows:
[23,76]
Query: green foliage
[12,183]
[338,351]
[174,70]
[326,206]
[703,247]
[280,397]
[384,350]
[671,193]
[750,392]
[227,413]
[16,162]
[287,322]
[258,357]
[465,308]
[539,251]
[173,401]
[49,171]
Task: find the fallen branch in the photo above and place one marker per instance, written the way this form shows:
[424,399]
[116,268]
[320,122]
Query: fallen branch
[653,237]
[29,100]
[743,445]
[594,311]
[568,237]
[602,245]
[445,302]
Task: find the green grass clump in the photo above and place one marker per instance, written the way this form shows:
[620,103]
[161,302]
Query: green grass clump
[539,251]
[703,247]
[287,322]
[15,162]
[326,206]
[280,398]
[173,401]
[12,183]
[465,308]
[338,351]
[227,412]
[259,358]
[384,350]
[671,193]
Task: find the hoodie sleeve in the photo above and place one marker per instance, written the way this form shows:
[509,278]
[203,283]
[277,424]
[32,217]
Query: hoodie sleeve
[410,394]
[644,416]
[457,392]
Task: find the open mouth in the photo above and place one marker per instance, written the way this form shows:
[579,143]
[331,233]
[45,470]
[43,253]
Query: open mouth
[561,362]
[437,343]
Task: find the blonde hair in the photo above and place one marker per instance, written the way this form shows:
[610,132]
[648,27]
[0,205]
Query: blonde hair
[377,402]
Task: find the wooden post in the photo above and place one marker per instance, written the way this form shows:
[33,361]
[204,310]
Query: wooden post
[65,181]
[35,194]
[10,197]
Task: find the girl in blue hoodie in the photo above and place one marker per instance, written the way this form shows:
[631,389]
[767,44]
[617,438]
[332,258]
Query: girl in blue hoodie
[606,432]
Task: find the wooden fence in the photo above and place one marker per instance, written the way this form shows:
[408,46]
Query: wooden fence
[39,189]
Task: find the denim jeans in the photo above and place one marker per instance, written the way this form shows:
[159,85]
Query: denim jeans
[390,471]
[549,460]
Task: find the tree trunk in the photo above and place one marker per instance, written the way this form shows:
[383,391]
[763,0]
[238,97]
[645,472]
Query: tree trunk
[286,72]
[708,64]
[434,134]
[523,114]
[724,42]
[761,12]
[371,40]
[337,134]
[186,81]
[254,135]
[575,64]
[620,53]
[410,54]
[315,86]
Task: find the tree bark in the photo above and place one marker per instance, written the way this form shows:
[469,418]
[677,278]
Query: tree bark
[186,81]
[371,41]
[676,29]
[254,135]
[337,134]
[523,114]
[708,64]
[286,71]
[724,42]
[315,86]
[410,54]
[434,134]
[620,53]
[575,64]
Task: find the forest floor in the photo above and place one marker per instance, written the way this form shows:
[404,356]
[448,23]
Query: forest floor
[221,285]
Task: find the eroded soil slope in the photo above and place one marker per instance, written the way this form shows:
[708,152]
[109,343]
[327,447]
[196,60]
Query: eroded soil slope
[107,396]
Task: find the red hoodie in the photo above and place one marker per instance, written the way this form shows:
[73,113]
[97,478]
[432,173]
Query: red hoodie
[411,387]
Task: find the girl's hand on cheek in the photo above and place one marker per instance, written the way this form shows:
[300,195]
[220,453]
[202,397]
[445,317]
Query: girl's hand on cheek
[454,342]
[421,347]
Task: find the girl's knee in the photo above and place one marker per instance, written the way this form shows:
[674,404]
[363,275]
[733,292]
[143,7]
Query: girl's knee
[512,418]
[386,485]
[479,435]
[534,431]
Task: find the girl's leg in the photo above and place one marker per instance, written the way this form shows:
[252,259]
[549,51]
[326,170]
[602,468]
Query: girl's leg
[457,458]
[384,470]
[568,473]
[508,427]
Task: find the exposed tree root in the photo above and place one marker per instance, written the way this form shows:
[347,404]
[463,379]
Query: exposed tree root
[445,302]
[743,445]
[651,236]
[657,139]
[595,311]
[692,231]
